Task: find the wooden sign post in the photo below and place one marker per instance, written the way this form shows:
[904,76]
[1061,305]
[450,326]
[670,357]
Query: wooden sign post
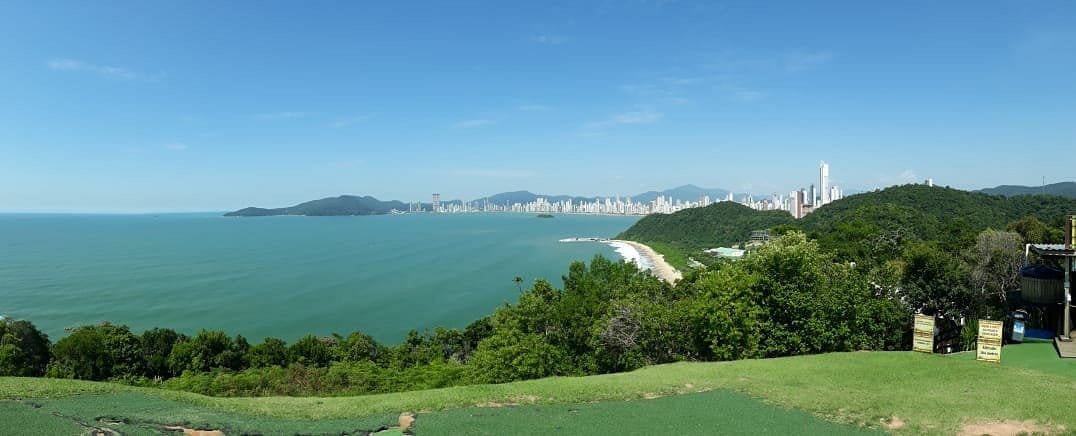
[989,349]
[923,339]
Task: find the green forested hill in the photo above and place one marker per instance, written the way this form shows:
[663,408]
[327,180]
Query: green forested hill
[343,205]
[925,208]
[1063,189]
[894,215]
[720,224]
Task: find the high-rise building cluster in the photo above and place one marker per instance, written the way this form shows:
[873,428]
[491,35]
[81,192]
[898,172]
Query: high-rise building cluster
[606,206]
[802,202]
[798,203]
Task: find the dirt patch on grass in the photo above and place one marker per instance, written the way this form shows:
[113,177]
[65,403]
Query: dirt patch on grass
[511,402]
[193,432]
[1006,428]
[894,423]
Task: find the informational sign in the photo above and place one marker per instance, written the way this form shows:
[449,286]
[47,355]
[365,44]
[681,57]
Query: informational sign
[923,339]
[988,352]
[989,349]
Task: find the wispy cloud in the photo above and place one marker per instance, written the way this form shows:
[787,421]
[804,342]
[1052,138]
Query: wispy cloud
[534,108]
[800,61]
[548,39]
[1059,44]
[348,121]
[672,90]
[744,94]
[906,176]
[280,115]
[176,146]
[471,124]
[103,70]
[625,118]
[738,63]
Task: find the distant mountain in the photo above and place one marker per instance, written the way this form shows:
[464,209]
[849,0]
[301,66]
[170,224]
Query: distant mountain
[682,193]
[355,205]
[343,205]
[527,197]
[1063,189]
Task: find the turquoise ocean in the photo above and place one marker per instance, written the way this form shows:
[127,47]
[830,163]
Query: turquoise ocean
[282,276]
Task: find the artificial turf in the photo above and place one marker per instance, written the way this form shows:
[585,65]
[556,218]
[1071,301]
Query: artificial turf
[715,412]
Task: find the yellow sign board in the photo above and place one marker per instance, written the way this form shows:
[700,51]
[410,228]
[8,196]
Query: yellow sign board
[923,339]
[990,330]
[989,349]
[923,344]
[988,352]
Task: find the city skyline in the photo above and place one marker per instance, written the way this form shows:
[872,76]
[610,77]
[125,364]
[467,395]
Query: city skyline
[277,105]
[795,203]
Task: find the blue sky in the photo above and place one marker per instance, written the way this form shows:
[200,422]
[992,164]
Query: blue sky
[183,106]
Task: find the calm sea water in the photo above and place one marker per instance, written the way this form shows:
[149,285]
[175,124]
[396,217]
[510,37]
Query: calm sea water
[281,276]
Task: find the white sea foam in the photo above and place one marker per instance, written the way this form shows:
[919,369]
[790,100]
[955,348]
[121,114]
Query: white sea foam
[630,254]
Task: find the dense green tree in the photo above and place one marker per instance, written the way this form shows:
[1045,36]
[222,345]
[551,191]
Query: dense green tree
[205,351]
[156,345]
[271,352]
[24,350]
[1033,231]
[97,352]
[726,315]
[511,355]
[310,351]
[936,283]
[358,347]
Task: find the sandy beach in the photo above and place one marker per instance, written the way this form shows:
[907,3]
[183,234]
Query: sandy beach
[655,261]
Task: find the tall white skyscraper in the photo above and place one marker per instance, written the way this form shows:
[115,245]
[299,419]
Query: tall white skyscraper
[823,183]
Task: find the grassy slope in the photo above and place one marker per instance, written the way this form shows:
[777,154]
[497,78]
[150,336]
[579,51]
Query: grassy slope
[929,393]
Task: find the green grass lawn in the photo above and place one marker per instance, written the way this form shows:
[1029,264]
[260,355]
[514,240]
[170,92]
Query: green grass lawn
[928,393]
[1036,354]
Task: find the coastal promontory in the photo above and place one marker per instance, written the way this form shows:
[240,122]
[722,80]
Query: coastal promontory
[344,205]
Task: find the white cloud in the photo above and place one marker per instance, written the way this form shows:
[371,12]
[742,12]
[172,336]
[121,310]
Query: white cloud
[635,117]
[747,95]
[177,146]
[534,108]
[908,176]
[905,177]
[471,124]
[668,90]
[104,70]
[739,63]
[280,115]
[344,122]
[799,61]
[548,39]
[1058,44]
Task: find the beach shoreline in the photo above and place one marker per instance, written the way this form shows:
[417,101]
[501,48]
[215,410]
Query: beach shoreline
[652,260]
